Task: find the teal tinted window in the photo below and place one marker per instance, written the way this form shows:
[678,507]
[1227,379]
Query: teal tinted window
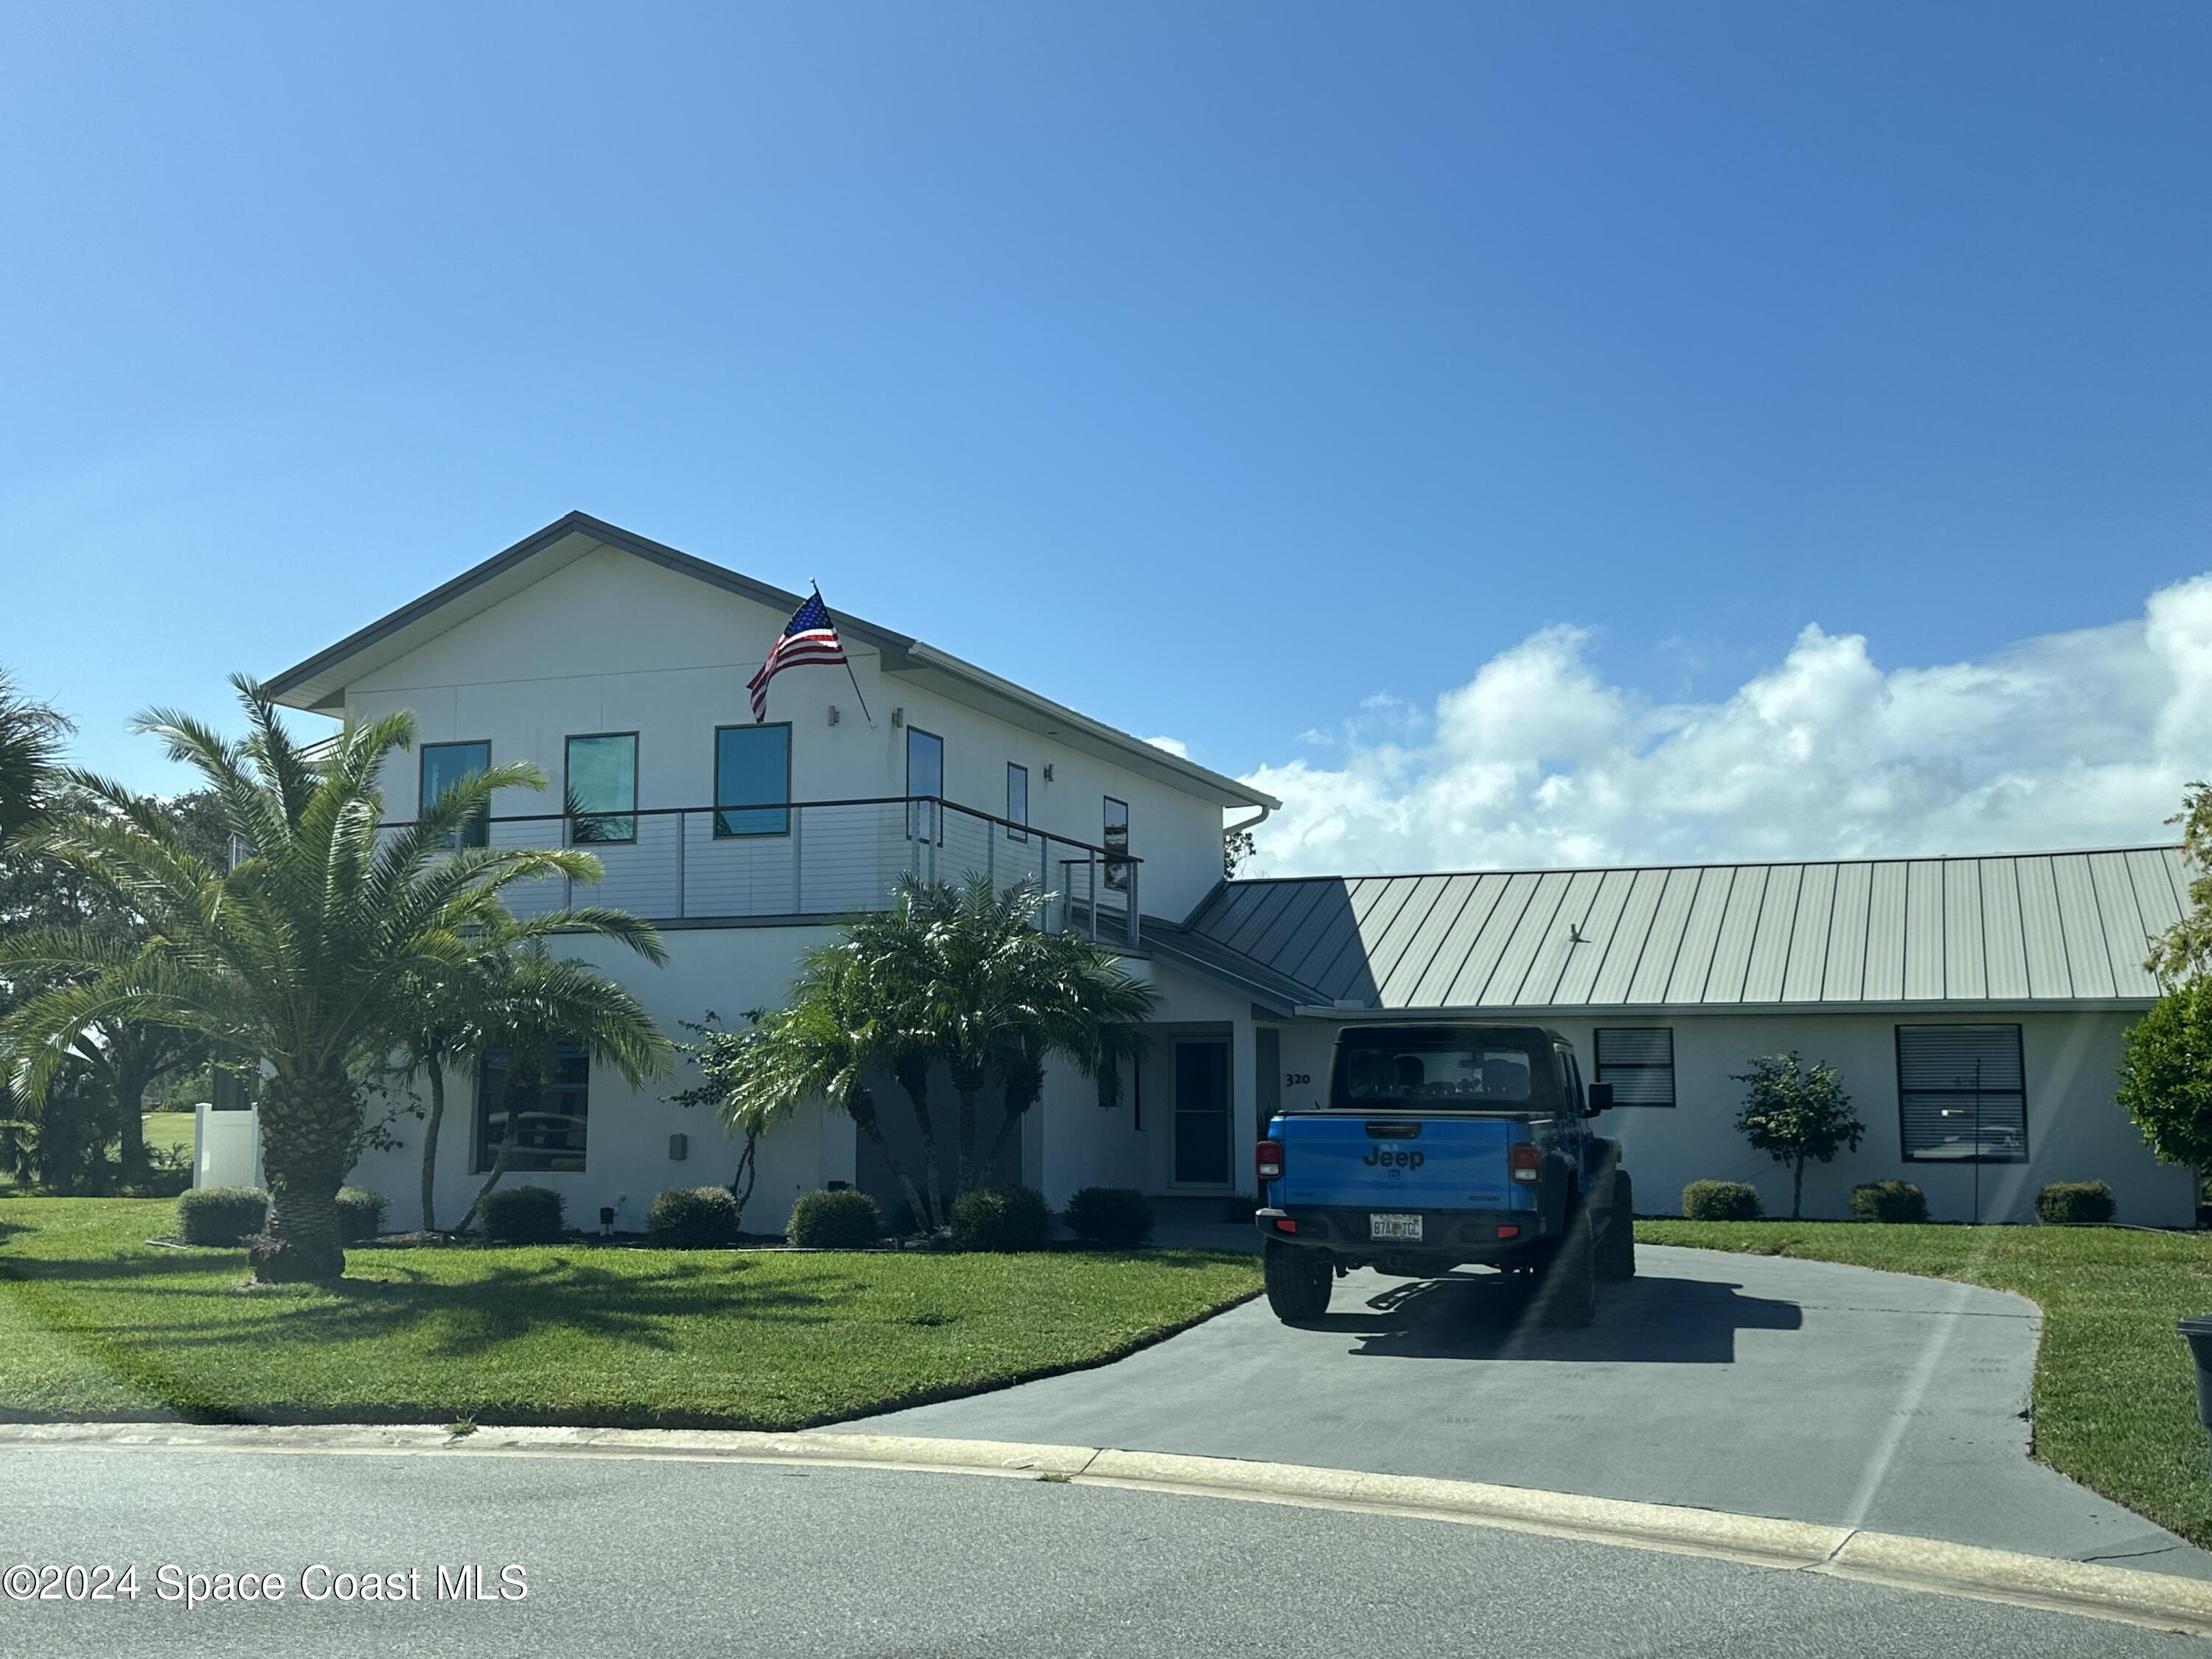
[444,765]
[602,788]
[752,780]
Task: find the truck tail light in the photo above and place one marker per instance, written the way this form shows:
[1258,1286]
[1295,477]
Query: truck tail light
[1526,1162]
[1267,1160]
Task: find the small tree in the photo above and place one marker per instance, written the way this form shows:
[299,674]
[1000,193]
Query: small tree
[2185,950]
[2165,1075]
[1792,1114]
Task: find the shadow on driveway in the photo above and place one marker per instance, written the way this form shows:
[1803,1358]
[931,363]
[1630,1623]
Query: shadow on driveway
[1473,1315]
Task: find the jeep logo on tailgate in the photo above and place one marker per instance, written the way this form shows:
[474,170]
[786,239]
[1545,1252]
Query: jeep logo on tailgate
[1402,1160]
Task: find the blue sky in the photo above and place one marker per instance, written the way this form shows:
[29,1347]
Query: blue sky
[1234,373]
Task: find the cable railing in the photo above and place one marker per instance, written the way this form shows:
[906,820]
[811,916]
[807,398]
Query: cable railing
[815,859]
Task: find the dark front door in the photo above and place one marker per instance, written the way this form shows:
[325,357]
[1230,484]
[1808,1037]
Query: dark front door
[1201,1113]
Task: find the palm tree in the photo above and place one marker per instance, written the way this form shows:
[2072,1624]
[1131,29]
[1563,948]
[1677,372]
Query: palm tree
[951,974]
[825,1043]
[31,734]
[307,952]
[456,1011]
[535,1006]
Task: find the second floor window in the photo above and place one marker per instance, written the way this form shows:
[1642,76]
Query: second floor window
[1116,842]
[752,780]
[601,785]
[925,775]
[444,765]
[1017,801]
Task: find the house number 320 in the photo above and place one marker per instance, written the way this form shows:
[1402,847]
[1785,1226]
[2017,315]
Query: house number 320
[1293,1079]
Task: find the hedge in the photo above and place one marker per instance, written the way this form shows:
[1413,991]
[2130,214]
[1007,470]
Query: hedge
[693,1218]
[1001,1218]
[1111,1218]
[220,1215]
[834,1218]
[2075,1203]
[1897,1202]
[521,1215]
[1721,1200]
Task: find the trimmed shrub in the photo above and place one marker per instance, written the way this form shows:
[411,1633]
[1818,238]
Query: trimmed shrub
[1721,1200]
[2075,1203]
[1889,1201]
[693,1218]
[834,1218]
[220,1215]
[521,1215]
[1001,1218]
[1111,1218]
[361,1214]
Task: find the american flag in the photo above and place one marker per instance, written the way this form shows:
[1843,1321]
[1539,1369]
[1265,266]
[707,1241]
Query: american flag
[810,637]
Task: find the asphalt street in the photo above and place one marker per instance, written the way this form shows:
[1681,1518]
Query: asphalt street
[663,1557]
[1804,1390]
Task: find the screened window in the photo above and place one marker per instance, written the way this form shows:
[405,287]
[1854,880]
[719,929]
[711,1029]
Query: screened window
[1639,1063]
[753,772]
[1962,1093]
[444,765]
[1116,841]
[548,1115]
[602,788]
[1017,801]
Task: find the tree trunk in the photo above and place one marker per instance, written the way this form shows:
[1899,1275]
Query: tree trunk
[969,1174]
[130,1105]
[860,1107]
[1797,1189]
[308,1129]
[1019,1100]
[506,1140]
[914,1081]
[430,1129]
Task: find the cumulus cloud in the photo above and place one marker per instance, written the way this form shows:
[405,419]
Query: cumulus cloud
[2073,739]
[1175,746]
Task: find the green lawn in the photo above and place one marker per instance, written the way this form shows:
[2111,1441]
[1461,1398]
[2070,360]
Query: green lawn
[171,1131]
[95,1323]
[2115,1394]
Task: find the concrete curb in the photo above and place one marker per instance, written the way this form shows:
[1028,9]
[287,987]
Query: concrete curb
[2157,1600]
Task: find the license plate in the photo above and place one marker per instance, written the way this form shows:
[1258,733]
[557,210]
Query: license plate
[1399,1227]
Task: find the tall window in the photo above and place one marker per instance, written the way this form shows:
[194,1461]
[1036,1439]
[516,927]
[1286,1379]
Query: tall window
[547,1117]
[925,775]
[1962,1093]
[1017,801]
[752,771]
[1639,1063]
[1116,842]
[444,765]
[601,780]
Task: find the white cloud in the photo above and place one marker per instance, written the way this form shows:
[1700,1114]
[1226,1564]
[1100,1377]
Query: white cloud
[1175,746]
[2075,740]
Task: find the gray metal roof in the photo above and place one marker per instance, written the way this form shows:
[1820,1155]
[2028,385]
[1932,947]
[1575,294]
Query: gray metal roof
[2068,928]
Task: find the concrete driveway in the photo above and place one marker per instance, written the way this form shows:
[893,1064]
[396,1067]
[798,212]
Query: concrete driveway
[1800,1390]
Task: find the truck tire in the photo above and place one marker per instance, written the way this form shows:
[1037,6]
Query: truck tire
[1616,1238]
[1299,1282]
[1566,1286]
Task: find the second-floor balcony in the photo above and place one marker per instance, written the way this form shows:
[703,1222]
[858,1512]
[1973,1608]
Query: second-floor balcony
[812,860]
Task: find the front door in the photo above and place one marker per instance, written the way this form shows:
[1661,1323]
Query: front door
[1202,1113]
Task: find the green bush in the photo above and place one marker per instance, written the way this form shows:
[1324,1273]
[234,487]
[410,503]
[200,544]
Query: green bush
[1889,1201]
[834,1218]
[220,1215]
[361,1214]
[2075,1203]
[521,1215]
[693,1218]
[1001,1218]
[1721,1200]
[1112,1218]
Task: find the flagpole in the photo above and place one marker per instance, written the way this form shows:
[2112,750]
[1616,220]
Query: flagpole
[849,674]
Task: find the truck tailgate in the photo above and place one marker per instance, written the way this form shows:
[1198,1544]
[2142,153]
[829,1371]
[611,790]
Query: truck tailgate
[1448,1163]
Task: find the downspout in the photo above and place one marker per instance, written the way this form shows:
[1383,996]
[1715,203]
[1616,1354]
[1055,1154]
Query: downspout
[1252,823]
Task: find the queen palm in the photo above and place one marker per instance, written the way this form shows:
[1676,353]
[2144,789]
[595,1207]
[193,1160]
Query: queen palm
[308,952]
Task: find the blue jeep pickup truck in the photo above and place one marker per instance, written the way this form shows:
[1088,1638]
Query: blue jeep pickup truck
[1442,1145]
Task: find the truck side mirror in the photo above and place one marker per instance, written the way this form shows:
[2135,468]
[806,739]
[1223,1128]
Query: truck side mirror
[1597,1097]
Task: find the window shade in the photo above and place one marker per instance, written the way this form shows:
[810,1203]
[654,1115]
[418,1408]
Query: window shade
[1639,1064]
[1962,1092]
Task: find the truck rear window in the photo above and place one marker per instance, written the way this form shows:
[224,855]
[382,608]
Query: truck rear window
[1436,1069]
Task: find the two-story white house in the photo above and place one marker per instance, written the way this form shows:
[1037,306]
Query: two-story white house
[620,667]
[1975,1005]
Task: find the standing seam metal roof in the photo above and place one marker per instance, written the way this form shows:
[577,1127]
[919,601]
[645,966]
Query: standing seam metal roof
[2059,927]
